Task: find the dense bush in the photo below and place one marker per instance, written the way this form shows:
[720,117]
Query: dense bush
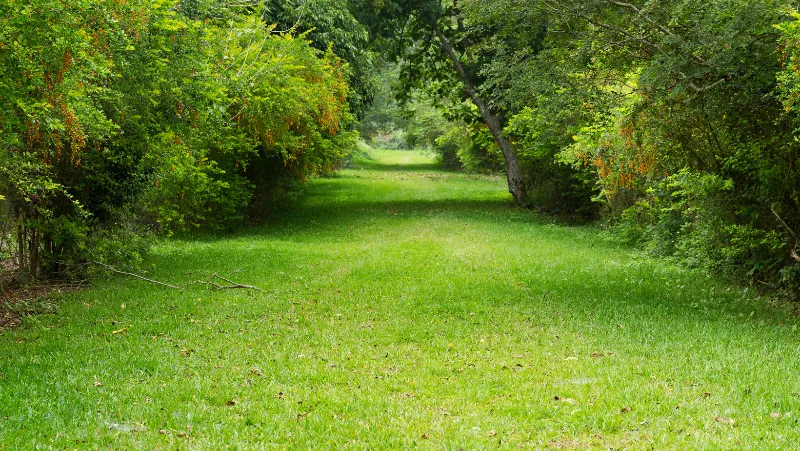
[677,117]
[391,138]
[469,147]
[553,187]
[161,116]
[704,167]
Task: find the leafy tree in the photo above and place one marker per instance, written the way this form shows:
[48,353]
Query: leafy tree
[385,115]
[434,44]
[56,60]
[329,24]
[676,108]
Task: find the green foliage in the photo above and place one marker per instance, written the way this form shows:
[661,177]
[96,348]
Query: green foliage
[49,228]
[190,191]
[788,76]
[124,244]
[425,124]
[55,64]
[329,24]
[311,135]
[447,146]
[457,144]
[442,53]
[156,108]
[554,187]
[469,147]
[680,139]
[384,117]
[639,96]
[688,215]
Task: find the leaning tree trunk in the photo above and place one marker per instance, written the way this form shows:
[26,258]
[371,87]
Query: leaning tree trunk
[516,185]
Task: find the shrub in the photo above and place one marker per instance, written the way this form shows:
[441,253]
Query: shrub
[689,216]
[184,115]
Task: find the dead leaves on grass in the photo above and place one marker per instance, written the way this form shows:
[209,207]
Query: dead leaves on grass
[566,400]
[564,444]
[16,303]
[9,319]
[725,420]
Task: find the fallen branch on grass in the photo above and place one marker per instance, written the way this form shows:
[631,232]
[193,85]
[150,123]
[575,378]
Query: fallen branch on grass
[233,285]
[113,269]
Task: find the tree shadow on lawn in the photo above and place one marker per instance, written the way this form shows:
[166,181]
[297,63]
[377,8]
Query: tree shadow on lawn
[597,276]
[373,165]
[619,279]
[348,216]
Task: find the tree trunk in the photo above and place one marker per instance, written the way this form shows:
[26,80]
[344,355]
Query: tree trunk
[21,262]
[33,254]
[516,185]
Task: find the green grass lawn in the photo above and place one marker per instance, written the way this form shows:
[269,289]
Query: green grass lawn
[404,306]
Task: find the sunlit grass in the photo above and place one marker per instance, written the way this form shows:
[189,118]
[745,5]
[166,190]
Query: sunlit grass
[405,306]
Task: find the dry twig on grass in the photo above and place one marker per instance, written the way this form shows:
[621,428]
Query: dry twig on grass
[113,269]
[233,285]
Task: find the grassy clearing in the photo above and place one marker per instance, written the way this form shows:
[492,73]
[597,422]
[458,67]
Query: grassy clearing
[405,306]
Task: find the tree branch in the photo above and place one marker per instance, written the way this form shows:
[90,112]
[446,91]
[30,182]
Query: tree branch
[699,60]
[783,223]
[233,285]
[794,252]
[622,32]
[642,15]
[699,89]
[113,269]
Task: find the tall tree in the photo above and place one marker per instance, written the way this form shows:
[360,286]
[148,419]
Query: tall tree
[438,51]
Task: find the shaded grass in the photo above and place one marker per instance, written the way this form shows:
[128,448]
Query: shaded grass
[405,306]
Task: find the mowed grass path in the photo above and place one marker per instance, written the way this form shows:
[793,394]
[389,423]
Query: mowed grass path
[405,307]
